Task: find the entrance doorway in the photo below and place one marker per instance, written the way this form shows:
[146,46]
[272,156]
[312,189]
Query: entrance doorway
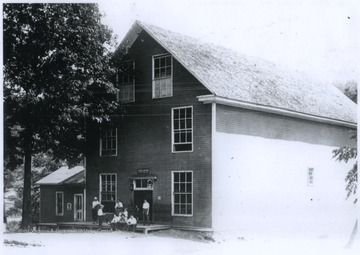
[78,207]
[139,197]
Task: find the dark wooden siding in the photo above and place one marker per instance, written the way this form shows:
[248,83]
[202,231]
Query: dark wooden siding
[48,203]
[144,141]
[247,122]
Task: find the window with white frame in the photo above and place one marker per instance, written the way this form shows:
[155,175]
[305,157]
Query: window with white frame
[108,143]
[182,186]
[125,80]
[108,187]
[59,197]
[143,184]
[310,176]
[162,76]
[182,133]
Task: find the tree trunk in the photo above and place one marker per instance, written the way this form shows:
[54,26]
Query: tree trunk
[26,222]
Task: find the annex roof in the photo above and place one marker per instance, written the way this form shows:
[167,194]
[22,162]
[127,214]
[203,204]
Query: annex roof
[64,175]
[231,75]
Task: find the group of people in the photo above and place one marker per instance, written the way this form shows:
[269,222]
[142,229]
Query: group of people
[120,219]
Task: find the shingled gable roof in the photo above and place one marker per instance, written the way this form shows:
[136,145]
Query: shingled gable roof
[248,80]
[64,175]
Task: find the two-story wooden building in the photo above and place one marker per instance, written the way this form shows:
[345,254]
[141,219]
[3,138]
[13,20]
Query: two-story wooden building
[215,139]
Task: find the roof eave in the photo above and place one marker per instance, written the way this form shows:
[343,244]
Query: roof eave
[207,99]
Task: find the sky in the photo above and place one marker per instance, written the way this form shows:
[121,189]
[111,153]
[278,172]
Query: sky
[319,37]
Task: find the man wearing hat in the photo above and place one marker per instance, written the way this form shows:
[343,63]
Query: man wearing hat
[95,208]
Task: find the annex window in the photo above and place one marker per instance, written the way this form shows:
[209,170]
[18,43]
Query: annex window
[108,143]
[59,196]
[182,133]
[310,176]
[162,76]
[108,191]
[125,80]
[182,186]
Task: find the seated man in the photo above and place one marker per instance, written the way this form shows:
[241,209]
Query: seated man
[122,222]
[114,224]
[131,223]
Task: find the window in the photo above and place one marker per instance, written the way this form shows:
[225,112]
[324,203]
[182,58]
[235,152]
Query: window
[125,80]
[162,76]
[108,143]
[108,191]
[182,133]
[143,184]
[310,177]
[59,203]
[182,193]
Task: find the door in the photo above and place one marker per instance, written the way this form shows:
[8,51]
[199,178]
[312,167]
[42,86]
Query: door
[139,197]
[78,207]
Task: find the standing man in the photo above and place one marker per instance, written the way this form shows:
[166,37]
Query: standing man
[146,210]
[95,208]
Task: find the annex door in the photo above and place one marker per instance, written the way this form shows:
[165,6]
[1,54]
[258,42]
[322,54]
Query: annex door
[139,197]
[78,207]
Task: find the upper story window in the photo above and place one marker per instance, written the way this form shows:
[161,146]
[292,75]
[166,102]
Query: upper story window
[182,129]
[108,143]
[125,80]
[162,76]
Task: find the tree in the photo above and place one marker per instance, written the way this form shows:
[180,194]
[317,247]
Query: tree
[57,79]
[346,153]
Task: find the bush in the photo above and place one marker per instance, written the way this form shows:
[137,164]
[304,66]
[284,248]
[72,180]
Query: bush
[12,211]
[18,204]
[13,226]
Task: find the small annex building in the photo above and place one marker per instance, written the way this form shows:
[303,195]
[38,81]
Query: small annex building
[62,195]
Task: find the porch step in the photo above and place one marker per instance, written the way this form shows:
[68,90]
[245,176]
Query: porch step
[153,227]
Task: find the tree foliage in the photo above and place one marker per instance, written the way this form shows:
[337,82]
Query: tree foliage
[56,64]
[346,153]
[57,71]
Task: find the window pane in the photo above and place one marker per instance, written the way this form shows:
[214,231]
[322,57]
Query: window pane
[182,124]
[176,114]
[162,61]
[182,177]
[182,209]
[156,62]
[168,71]
[182,187]
[188,187]
[188,137]
[177,138]
[188,123]
[189,211]
[176,209]
[182,137]
[188,199]
[176,177]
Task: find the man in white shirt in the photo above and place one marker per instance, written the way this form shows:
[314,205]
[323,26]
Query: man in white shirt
[95,207]
[146,210]
[131,222]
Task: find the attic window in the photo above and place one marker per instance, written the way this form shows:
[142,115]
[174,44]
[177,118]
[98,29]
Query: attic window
[125,80]
[310,179]
[162,76]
